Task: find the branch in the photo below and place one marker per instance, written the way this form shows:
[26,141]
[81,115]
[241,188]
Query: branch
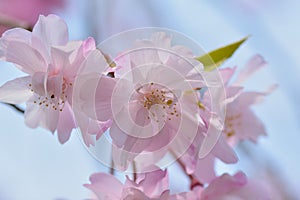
[17,108]
[194,181]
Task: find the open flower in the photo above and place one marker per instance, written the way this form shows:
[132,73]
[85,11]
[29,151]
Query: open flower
[148,101]
[51,62]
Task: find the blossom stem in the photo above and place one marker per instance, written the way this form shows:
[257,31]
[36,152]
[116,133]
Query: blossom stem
[194,181]
[12,23]
[17,108]
[134,171]
[112,169]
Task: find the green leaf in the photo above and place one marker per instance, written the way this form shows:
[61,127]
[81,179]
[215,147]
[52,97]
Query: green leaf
[217,57]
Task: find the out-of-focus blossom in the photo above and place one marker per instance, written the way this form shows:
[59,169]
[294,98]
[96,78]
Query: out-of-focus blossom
[240,122]
[25,13]
[51,62]
[148,186]
[154,186]
[234,187]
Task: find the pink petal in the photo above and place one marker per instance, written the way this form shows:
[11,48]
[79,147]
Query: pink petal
[190,195]
[122,158]
[235,187]
[82,121]
[54,85]
[97,127]
[251,127]
[227,74]
[45,117]
[162,138]
[60,59]
[16,91]
[41,47]
[161,40]
[144,56]
[253,65]
[88,45]
[127,142]
[16,34]
[52,30]
[82,52]
[27,59]
[133,193]
[232,93]
[104,126]
[98,92]
[223,151]
[248,98]
[155,183]
[65,124]
[189,160]
[39,83]
[93,63]
[205,169]
[182,51]
[223,185]
[105,186]
[103,98]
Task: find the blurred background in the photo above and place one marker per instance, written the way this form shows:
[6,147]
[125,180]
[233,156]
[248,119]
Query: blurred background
[33,165]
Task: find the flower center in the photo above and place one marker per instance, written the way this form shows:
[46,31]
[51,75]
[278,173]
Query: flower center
[164,99]
[230,123]
[52,100]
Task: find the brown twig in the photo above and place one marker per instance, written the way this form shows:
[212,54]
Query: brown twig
[134,171]
[17,108]
[111,169]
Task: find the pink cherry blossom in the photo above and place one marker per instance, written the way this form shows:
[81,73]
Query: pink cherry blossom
[150,113]
[240,122]
[26,12]
[51,62]
[148,186]
[236,187]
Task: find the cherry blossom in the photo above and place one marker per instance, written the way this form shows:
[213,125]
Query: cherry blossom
[149,113]
[241,122]
[51,62]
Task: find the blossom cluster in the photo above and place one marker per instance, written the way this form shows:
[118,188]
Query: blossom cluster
[155,99]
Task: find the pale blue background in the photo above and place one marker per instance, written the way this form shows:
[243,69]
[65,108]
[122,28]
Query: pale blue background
[33,165]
